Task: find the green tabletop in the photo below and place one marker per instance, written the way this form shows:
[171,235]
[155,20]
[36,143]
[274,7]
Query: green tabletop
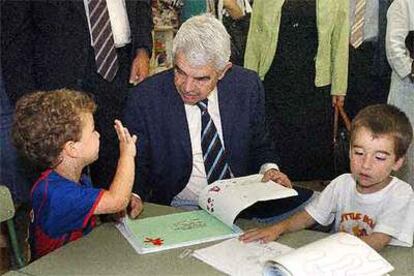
[105,252]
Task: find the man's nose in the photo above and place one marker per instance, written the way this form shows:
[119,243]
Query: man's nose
[189,85]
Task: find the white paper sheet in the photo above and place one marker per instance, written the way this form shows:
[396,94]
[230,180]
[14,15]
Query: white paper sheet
[244,259]
[225,199]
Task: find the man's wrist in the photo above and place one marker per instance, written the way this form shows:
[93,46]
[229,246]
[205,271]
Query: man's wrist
[267,166]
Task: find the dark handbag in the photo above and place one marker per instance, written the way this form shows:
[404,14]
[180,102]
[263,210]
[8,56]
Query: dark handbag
[238,30]
[341,138]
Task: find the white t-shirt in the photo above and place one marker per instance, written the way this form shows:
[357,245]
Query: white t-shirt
[389,211]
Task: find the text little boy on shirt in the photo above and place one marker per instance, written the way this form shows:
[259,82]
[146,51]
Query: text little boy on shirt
[368,202]
[56,131]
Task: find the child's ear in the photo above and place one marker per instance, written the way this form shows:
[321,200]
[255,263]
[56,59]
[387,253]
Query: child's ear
[70,149]
[398,164]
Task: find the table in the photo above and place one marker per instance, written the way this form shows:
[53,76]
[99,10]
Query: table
[105,252]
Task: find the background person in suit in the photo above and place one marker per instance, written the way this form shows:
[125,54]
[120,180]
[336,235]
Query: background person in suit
[369,72]
[46,45]
[165,113]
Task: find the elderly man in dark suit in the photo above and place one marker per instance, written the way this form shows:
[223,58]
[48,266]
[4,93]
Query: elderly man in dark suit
[202,121]
[53,44]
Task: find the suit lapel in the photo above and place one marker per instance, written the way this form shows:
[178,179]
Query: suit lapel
[227,111]
[176,118]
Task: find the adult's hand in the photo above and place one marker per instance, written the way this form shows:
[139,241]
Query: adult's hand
[139,67]
[338,100]
[278,177]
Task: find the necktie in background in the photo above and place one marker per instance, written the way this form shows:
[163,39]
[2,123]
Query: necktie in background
[214,155]
[102,39]
[357,31]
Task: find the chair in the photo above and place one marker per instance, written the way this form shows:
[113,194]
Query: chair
[7,212]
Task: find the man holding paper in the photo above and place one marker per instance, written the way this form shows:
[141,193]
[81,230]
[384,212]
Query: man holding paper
[200,122]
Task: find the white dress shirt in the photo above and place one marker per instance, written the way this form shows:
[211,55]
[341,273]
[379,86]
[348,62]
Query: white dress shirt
[119,21]
[198,179]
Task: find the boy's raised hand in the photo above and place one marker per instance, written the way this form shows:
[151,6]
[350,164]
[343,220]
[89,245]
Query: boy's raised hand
[126,141]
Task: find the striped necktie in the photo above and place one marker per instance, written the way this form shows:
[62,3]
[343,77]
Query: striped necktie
[357,31]
[102,39]
[214,155]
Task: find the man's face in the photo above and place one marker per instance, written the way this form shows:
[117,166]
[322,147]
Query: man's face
[372,160]
[195,83]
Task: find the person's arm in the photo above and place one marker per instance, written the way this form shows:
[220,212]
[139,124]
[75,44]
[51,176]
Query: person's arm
[118,196]
[140,18]
[397,30]
[296,222]
[233,9]
[377,240]
[261,150]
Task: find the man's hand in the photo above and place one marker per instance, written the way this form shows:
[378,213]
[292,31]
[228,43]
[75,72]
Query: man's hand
[277,177]
[338,100]
[135,207]
[264,235]
[139,67]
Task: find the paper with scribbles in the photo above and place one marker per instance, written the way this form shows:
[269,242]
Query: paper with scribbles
[340,254]
[225,199]
[175,230]
[234,257]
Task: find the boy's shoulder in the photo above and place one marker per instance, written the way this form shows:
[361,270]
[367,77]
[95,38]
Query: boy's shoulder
[51,183]
[343,181]
[400,188]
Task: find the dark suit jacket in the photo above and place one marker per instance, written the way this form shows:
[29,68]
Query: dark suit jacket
[49,42]
[156,113]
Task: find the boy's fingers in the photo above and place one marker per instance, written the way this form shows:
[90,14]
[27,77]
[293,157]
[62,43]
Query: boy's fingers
[134,139]
[120,130]
[126,133]
[251,236]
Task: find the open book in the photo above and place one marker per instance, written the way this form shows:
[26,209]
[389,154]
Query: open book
[338,254]
[220,202]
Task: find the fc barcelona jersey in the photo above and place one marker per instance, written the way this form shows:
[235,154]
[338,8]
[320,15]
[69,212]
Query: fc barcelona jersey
[62,211]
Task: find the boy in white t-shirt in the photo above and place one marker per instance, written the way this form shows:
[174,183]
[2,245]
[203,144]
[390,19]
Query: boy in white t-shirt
[369,202]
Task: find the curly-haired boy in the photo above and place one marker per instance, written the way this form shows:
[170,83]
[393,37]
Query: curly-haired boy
[55,130]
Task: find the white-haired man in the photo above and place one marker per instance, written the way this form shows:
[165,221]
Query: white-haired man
[201,121]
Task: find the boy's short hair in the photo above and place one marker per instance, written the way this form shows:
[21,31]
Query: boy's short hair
[385,119]
[44,121]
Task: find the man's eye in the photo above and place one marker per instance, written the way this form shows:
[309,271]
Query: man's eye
[202,80]
[358,153]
